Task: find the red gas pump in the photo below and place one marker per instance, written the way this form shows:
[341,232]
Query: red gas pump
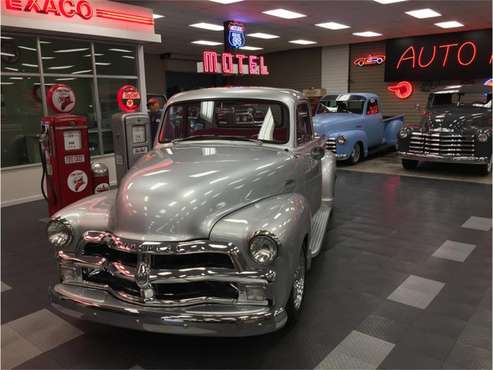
[65,158]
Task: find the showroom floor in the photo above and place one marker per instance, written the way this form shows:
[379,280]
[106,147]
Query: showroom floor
[404,282]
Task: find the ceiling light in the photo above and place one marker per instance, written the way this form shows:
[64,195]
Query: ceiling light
[3,53]
[6,83]
[423,13]
[26,48]
[71,50]
[449,24]
[103,63]
[389,1]
[367,34]
[30,65]
[121,50]
[252,48]
[332,25]
[16,78]
[66,79]
[45,42]
[12,69]
[205,42]
[226,1]
[86,71]
[61,67]
[6,38]
[48,58]
[128,57]
[302,42]
[157,16]
[261,35]
[208,26]
[283,13]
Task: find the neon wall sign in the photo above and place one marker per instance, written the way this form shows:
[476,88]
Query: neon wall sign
[233,63]
[453,56]
[401,90]
[370,60]
[72,8]
[234,35]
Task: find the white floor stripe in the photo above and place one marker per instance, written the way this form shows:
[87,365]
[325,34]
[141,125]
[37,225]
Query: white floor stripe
[454,251]
[416,291]
[31,335]
[5,287]
[478,223]
[357,351]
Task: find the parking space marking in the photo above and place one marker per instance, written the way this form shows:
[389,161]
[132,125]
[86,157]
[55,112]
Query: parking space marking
[357,351]
[31,335]
[454,251]
[478,223]
[416,291]
[5,287]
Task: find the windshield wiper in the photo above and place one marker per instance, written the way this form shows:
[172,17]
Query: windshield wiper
[216,137]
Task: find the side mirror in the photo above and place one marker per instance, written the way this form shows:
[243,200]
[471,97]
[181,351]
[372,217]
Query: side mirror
[317,153]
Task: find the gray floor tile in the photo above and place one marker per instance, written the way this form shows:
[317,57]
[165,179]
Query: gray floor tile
[416,291]
[468,357]
[44,329]
[357,351]
[5,287]
[476,336]
[454,251]
[478,223]
[15,349]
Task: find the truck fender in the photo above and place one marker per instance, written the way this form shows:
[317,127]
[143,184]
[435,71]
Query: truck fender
[353,137]
[392,129]
[287,217]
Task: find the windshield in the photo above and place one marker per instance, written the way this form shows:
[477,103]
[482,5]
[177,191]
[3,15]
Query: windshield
[226,119]
[346,103]
[460,99]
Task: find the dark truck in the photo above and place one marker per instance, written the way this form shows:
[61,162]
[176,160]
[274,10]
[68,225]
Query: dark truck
[456,128]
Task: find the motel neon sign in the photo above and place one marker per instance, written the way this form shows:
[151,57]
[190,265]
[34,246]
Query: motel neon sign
[234,63]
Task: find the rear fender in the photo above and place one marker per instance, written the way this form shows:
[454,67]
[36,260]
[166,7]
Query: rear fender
[392,130]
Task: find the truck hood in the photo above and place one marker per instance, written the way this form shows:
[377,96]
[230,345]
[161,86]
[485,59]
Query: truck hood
[329,124]
[459,120]
[179,193]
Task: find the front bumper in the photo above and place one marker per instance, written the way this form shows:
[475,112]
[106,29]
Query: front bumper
[199,320]
[444,159]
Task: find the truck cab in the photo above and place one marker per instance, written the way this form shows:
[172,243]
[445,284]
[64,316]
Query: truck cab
[355,126]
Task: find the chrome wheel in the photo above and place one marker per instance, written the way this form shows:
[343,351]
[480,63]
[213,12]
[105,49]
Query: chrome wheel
[356,153]
[299,282]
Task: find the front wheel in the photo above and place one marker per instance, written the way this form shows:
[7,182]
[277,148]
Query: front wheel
[355,154]
[295,301]
[409,164]
[485,169]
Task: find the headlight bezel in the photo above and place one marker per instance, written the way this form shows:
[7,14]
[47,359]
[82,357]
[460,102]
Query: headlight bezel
[404,133]
[483,134]
[263,236]
[341,140]
[63,227]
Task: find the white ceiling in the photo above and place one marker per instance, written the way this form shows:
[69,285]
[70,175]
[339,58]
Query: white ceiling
[362,15]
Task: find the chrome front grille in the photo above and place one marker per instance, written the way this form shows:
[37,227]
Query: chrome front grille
[331,145]
[442,144]
[164,274]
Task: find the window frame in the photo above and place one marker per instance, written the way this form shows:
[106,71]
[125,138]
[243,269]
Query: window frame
[310,135]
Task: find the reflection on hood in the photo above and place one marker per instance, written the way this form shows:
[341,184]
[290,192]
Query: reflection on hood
[179,193]
[457,119]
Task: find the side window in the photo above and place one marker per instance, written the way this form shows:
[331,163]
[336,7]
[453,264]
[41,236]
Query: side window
[304,130]
[372,107]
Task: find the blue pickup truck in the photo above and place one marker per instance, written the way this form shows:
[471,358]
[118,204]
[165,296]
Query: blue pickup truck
[354,125]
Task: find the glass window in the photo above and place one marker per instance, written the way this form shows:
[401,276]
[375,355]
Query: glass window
[328,104]
[303,124]
[108,90]
[230,119]
[349,103]
[20,120]
[116,60]
[19,54]
[372,107]
[66,56]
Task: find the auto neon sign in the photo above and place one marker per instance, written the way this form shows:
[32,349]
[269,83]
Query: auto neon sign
[233,63]
[83,9]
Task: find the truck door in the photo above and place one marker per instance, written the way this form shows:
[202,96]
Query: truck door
[310,168]
[374,123]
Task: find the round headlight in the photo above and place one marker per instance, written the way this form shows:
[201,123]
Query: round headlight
[341,140]
[263,249]
[483,137]
[403,133]
[59,233]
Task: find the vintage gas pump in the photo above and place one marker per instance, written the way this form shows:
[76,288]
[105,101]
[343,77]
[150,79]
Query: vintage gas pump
[131,140]
[65,158]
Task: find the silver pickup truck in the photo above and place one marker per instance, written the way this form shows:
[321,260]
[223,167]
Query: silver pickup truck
[211,233]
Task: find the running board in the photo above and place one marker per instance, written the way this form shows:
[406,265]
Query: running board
[319,226]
